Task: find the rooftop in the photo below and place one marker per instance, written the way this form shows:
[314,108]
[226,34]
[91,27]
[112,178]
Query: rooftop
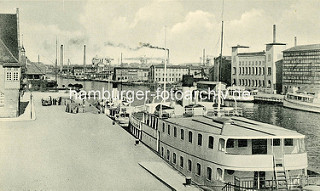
[234,127]
[6,55]
[263,53]
[170,66]
[35,68]
[303,47]
[9,38]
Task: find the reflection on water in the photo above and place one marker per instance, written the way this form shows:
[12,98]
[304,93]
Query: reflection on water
[303,122]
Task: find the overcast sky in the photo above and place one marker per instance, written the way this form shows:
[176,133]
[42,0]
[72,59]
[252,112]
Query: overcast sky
[190,25]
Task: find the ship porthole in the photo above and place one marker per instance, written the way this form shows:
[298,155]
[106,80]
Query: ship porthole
[230,172]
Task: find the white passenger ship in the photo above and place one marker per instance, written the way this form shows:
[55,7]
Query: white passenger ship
[221,151]
[306,99]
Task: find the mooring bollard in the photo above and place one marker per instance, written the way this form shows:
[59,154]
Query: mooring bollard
[188,181]
[137,142]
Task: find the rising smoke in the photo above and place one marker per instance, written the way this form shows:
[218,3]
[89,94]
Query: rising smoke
[77,41]
[120,45]
[148,45]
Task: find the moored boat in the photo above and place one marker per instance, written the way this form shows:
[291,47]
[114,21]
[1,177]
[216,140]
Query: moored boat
[305,99]
[219,151]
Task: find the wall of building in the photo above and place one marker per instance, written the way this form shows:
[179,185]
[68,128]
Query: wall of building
[174,74]
[10,95]
[301,69]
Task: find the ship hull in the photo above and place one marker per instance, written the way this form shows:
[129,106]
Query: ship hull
[310,107]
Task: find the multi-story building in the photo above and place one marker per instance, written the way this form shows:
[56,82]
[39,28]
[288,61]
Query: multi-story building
[83,71]
[301,67]
[10,67]
[174,73]
[223,69]
[130,74]
[257,70]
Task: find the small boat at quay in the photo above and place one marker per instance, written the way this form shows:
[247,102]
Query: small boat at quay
[306,99]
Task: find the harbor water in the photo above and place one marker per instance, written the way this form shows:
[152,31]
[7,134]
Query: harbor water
[303,122]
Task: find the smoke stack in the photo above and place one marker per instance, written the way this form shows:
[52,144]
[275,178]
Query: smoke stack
[295,41]
[274,33]
[84,55]
[121,59]
[204,57]
[61,58]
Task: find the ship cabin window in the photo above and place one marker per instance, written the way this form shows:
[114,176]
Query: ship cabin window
[221,144]
[288,142]
[219,174]
[181,161]
[276,142]
[198,169]
[199,139]
[168,155]
[190,137]
[189,165]
[242,142]
[163,127]
[182,134]
[168,129]
[210,143]
[230,143]
[209,173]
[174,131]
[174,158]
[162,151]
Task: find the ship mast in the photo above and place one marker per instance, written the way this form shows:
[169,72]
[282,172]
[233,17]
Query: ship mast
[219,66]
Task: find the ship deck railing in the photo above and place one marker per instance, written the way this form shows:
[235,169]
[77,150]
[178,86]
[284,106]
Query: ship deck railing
[292,183]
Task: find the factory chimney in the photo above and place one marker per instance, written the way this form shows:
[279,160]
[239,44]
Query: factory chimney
[61,58]
[274,33]
[295,41]
[204,57]
[84,55]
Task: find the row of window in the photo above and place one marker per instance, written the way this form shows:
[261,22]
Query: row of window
[253,83]
[168,74]
[12,76]
[251,62]
[300,53]
[198,170]
[190,135]
[251,71]
[170,79]
[244,142]
[255,71]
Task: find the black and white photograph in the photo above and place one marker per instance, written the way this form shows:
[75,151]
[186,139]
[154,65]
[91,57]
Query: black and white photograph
[144,95]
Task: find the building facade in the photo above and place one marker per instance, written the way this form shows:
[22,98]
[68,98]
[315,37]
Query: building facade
[174,73]
[301,67]
[130,74]
[257,70]
[225,70]
[10,68]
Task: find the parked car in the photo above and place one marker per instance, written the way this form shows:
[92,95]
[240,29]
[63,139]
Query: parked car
[46,101]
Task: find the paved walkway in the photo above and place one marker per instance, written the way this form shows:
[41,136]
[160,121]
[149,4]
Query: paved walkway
[167,174]
[63,151]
